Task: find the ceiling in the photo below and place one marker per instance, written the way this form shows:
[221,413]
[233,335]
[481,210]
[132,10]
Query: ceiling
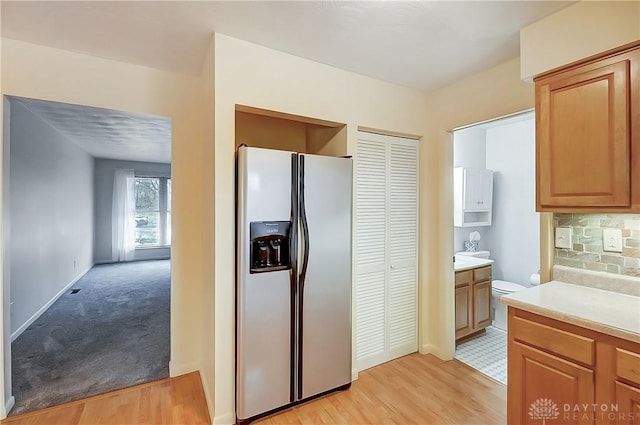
[105,133]
[418,44]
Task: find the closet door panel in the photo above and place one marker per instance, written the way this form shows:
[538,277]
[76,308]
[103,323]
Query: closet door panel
[403,247]
[370,320]
[370,252]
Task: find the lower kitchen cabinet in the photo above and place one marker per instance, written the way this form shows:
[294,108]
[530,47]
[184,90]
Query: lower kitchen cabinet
[627,399]
[546,383]
[564,374]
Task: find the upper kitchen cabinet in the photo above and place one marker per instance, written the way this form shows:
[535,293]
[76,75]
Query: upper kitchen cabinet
[588,135]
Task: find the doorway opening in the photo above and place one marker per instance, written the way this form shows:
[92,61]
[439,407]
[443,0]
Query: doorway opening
[496,233]
[87,201]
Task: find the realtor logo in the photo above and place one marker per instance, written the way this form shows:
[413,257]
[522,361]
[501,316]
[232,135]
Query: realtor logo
[544,409]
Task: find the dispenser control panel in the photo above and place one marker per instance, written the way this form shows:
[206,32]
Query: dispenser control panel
[269,246]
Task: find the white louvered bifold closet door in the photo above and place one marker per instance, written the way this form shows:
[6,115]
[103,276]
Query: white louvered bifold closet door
[370,250]
[386,232]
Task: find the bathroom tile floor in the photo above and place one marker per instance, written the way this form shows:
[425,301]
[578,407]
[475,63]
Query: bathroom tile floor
[487,353]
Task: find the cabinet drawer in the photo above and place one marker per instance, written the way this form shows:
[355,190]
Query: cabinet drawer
[628,365]
[569,345]
[482,273]
[463,278]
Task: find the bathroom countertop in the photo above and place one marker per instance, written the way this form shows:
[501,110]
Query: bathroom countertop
[466,262]
[608,312]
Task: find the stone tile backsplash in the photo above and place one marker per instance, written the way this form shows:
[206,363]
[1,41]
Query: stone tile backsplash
[587,251]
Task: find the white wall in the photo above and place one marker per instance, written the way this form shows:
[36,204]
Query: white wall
[469,151]
[514,236]
[7,400]
[470,147]
[51,213]
[104,172]
[461,234]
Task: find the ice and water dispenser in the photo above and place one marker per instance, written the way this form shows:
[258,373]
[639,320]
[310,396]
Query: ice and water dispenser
[269,246]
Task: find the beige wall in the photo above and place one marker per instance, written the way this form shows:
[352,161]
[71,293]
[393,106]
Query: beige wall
[581,30]
[252,75]
[207,368]
[45,73]
[489,94]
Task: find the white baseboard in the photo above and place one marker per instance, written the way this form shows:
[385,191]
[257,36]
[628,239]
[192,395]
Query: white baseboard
[228,418]
[182,369]
[163,257]
[9,405]
[44,308]
[354,374]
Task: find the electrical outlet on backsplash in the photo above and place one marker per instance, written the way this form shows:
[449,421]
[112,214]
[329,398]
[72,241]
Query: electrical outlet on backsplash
[587,251]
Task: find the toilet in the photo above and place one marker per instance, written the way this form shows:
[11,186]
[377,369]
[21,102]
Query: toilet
[500,288]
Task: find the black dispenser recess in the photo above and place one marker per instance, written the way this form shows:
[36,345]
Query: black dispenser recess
[269,246]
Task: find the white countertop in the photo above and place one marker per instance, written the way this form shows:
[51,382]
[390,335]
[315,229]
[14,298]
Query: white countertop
[465,262]
[608,312]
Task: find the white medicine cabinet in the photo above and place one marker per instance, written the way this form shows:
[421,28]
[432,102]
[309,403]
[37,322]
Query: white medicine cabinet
[472,197]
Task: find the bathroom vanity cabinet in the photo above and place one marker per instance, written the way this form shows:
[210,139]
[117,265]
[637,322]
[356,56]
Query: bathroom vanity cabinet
[569,373]
[473,301]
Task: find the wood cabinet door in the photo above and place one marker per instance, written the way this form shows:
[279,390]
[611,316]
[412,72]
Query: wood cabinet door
[541,386]
[463,311]
[583,126]
[481,305]
[628,402]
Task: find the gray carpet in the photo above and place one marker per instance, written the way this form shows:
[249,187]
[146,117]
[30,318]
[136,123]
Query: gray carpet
[113,333]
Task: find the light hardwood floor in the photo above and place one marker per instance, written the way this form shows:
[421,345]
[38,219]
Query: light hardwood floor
[414,389]
[171,401]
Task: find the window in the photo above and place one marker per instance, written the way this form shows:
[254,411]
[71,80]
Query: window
[153,211]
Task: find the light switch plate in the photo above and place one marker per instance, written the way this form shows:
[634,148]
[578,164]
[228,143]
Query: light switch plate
[563,237]
[612,240]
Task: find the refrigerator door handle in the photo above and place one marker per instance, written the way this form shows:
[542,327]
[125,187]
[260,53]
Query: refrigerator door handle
[304,241]
[293,275]
[305,227]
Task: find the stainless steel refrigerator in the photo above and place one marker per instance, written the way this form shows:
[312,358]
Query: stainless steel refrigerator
[293,280]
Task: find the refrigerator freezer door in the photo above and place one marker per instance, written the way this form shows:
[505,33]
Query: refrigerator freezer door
[263,340]
[326,291]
